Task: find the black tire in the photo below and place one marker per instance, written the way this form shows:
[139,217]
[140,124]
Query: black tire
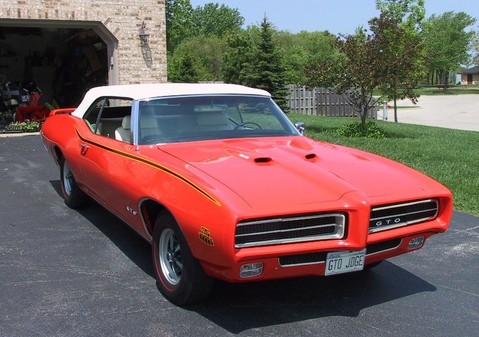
[73,195]
[180,277]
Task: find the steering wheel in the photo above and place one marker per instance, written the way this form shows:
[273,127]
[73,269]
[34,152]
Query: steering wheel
[247,123]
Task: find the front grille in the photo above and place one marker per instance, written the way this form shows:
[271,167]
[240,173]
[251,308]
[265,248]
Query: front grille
[399,215]
[263,232]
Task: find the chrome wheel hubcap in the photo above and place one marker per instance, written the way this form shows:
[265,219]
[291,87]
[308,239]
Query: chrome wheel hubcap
[67,179]
[170,259]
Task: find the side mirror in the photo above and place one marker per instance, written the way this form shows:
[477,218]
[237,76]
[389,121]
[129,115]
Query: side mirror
[300,126]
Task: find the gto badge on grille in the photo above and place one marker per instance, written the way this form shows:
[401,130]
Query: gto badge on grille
[205,236]
[386,222]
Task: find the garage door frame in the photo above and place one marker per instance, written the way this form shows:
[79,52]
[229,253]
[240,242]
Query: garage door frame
[98,27]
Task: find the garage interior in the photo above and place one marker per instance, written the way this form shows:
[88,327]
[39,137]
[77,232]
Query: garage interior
[47,67]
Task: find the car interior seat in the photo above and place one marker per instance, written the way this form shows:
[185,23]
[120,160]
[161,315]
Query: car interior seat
[213,121]
[148,126]
[123,132]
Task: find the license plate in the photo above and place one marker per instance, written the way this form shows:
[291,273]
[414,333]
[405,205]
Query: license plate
[344,262]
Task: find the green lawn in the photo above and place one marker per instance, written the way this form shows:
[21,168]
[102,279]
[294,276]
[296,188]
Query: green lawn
[449,156]
[452,90]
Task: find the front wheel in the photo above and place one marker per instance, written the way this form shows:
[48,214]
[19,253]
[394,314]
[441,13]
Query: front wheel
[73,195]
[180,277]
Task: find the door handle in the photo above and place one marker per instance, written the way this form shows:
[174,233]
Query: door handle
[84,148]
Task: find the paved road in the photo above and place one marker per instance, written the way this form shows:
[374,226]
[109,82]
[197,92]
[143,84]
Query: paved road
[449,111]
[70,273]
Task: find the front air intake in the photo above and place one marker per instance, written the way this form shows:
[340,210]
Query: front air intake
[398,215]
[275,231]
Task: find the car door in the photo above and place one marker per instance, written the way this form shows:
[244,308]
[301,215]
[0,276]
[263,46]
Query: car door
[106,170]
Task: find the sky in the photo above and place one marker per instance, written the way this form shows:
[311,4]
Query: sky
[335,16]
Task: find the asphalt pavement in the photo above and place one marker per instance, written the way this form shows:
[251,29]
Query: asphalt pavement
[85,273]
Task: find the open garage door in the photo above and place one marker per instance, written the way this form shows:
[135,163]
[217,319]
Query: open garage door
[53,63]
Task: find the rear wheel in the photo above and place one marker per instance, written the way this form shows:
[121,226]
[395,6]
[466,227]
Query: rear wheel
[73,195]
[180,277]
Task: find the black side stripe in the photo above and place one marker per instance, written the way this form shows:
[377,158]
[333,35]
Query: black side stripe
[149,163]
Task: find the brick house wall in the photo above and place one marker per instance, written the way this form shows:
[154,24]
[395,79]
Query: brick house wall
[132,60]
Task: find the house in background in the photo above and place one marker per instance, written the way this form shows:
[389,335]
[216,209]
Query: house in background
[470,76]
[67,47]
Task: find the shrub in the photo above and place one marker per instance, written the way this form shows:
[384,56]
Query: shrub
[26,126]
[368,130]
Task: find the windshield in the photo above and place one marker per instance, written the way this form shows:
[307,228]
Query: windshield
[182,119]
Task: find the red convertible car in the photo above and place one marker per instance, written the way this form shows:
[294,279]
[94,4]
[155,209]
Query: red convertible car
[224,186]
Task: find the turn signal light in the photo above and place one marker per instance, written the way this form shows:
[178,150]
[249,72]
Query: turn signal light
[251,270]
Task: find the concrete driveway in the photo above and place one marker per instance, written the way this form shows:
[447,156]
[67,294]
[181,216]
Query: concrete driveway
[448,111]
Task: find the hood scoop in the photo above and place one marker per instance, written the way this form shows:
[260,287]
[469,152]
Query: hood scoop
[263,160]
[311,157]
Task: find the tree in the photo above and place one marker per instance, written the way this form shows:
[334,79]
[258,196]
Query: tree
[196,39]
[268,71]
[178,22]
[203,54]
[237,57]
[447,43]
[256,60]
[410,13]
[389,58]
[302,49]
[215,20]
[475,48]
[398,40]
[354,73]
[186,67]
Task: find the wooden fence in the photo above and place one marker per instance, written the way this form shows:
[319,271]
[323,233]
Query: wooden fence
[321,102]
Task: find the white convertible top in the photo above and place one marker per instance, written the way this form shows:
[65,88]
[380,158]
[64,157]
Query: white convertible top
[144,91]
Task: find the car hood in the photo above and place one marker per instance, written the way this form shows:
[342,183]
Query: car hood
[295,170]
